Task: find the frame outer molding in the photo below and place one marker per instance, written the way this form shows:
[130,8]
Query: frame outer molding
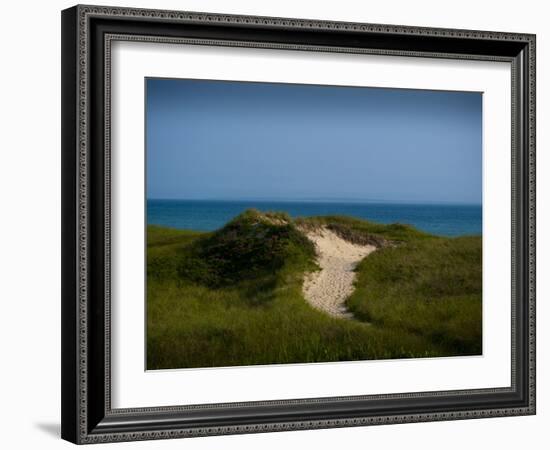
[76,218]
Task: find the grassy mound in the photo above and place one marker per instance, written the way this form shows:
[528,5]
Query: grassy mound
[234,296]
[251,246]
[429,287]
[364,232]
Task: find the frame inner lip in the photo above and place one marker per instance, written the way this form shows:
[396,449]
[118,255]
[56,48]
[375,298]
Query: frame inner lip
[111,37]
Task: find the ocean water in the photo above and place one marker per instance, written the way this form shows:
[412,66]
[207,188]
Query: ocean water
[208,215]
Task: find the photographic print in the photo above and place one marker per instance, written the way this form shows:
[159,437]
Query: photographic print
[295,223]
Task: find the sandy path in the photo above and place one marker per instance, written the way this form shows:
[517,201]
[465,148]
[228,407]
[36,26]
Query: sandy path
[329,288]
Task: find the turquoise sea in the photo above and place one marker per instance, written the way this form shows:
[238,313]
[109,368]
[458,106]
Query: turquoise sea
[208,215]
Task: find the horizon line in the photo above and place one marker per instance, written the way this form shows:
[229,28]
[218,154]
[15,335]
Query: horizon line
[318,200]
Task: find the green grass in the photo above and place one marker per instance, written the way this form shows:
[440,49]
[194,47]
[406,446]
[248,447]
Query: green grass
[431,288]
[233,297]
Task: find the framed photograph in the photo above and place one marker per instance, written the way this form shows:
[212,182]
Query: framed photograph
[277,224]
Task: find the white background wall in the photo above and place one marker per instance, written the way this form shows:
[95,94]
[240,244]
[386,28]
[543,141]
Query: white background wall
[30,223]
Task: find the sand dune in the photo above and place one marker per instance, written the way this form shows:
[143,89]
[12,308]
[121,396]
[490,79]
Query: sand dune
[328,289]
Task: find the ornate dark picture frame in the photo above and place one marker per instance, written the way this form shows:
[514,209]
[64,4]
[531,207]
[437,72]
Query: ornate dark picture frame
[87,33]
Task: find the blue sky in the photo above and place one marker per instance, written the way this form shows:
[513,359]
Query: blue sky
[237,140]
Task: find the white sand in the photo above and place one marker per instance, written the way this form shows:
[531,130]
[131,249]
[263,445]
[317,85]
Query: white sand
[329,288]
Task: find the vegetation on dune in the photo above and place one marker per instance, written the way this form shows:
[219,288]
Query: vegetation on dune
[234,296]
[251,246]
[364,232]
[429,287]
